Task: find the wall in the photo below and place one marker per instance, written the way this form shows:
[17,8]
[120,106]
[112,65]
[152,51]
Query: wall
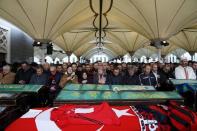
[21,48]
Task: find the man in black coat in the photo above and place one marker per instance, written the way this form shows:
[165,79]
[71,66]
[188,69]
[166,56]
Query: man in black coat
[115,78]
[23,75]
[130,78]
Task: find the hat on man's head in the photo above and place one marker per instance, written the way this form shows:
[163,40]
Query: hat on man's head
[184,58]
[166,61]
[161,61]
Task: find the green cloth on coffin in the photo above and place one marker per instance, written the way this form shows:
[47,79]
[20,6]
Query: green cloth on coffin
[150,95]
[91,95]
[20,88]
[72,87]
[87,95]
[69,95]
[11,87]
[32,88]
[109,95]
[78,95]
[180,81]
[133,87]
[80,87]
[106,87]
[88,87]
[102,87]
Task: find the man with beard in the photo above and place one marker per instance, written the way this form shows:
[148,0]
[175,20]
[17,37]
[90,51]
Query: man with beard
[183,71]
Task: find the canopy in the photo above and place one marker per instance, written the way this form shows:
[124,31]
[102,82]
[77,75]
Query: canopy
[186,40]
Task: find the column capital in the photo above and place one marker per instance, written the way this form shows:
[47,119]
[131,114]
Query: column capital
[68,53]
[131,53]
[191,52]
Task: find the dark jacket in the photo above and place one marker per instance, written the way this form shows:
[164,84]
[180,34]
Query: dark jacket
[47,72]
[166,85]
[24,75]
[39,80]
[148,80]
[168,74]
[90,77]
[130,80]
[161,78]
[53,80]
[114,80]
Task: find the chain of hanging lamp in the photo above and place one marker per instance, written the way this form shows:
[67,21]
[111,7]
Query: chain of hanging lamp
[100,33]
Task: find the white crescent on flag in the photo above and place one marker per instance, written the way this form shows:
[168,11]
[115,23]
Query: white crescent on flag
[43,121]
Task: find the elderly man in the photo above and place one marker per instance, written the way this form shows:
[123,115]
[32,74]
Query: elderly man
[183,71]
[7,77]
[53,84]
[54,79]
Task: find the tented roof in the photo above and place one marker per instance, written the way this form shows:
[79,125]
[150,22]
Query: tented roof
[129,41]
[186,40]
[71,42]
[45,19]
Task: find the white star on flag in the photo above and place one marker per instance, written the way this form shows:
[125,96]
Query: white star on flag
[120,113]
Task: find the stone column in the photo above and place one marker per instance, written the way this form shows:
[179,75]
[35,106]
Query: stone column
[78,58]
[68,53]
[192,53]
[131,53]
[163,58]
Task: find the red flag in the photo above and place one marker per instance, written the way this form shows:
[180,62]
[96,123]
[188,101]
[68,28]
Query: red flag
[98,114]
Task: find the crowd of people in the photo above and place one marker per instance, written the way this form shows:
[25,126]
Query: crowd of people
[55,77]
[153,74]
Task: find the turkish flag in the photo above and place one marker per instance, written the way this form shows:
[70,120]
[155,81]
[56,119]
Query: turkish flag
[122,118]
